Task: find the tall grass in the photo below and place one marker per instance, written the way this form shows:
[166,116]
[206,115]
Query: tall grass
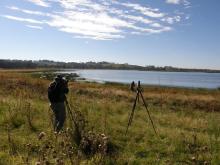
[187,121]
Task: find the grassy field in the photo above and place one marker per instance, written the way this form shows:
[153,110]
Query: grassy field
[187,121]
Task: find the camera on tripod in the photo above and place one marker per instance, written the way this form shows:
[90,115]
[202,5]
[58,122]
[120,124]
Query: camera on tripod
[136,87]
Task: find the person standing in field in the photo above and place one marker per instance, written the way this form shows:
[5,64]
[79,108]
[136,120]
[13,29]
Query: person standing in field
[57,91]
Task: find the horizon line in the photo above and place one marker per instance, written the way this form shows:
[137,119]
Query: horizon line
[175,67]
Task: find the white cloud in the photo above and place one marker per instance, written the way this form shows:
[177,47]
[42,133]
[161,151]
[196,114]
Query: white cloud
[35,27]
[42,3]
[173,1]
[137,18]
[171,20]
[23,19]
[99,26]
[150,12]
[156,25]
[154,31]
[98,19]
[26,11]
[186,3]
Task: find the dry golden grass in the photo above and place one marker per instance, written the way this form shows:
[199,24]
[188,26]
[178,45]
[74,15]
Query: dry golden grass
[187,121]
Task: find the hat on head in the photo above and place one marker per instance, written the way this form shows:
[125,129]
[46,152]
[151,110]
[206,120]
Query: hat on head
[58,77]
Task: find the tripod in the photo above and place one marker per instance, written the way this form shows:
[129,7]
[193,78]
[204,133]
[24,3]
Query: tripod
[71,116]
[138,90]
[73,120]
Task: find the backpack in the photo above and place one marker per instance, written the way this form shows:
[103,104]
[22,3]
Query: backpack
[53,92]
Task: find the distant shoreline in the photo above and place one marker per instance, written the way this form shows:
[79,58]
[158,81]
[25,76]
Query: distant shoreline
[46,64]
[49,74]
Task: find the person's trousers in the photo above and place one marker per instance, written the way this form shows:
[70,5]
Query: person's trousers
[59,115]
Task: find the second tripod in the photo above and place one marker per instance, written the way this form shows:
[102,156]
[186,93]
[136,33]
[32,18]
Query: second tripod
[139,94]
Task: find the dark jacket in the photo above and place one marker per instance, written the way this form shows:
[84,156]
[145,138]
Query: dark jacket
[57,91]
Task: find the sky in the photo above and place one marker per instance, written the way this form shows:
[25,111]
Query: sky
[179,33]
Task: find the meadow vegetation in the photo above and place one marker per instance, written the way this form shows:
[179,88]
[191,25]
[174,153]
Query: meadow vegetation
[187,121]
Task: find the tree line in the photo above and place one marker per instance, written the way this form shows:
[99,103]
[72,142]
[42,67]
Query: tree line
[29,64]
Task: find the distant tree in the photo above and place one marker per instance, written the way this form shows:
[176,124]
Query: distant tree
[92,65]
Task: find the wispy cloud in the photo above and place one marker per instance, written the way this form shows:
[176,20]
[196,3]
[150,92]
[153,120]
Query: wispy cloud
[173,1]
[98,19]
[35,27]
[26,11]
[40,3]
[186,3]
[156,25]
[23,19]
[171,20]
[147,11]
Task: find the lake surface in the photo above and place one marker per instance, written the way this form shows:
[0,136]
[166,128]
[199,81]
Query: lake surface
[179,79]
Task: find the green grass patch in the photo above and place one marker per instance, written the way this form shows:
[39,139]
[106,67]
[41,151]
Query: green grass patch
[187,121]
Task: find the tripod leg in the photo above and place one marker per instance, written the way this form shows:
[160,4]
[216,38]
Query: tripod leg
[132,112]
[77,133]
[148,113]
[69,110]
[71,116]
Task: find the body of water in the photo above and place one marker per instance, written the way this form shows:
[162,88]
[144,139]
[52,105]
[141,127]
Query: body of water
[178,79]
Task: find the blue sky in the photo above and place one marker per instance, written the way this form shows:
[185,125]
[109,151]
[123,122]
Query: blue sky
[180,33]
